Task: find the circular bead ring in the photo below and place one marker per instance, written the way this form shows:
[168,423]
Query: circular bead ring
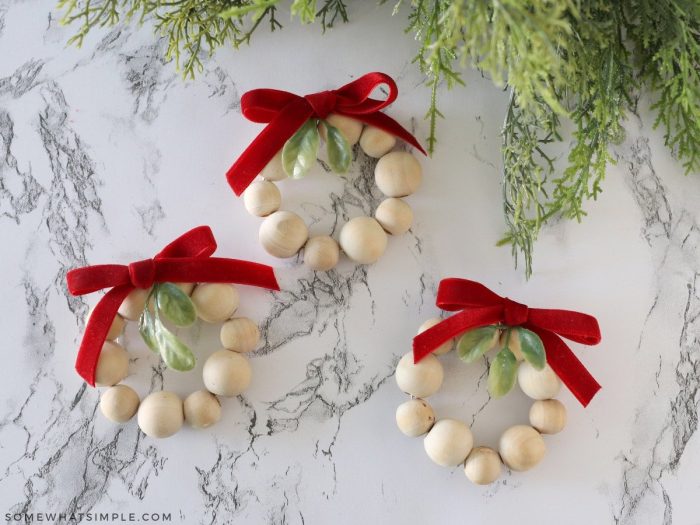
[363,239]
[450,442]
[226,372]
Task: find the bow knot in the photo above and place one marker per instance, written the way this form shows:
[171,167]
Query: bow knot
[323,103]
[142,273]
[514,313]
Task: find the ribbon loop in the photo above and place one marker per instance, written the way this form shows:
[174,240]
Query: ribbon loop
[142,273]
[322,103]
[514,314]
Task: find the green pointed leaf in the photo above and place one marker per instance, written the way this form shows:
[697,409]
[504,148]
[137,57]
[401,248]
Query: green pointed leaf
[147,329]
[299,152]
[502,373]
[532,348]
[174,352]
[339,152]
[475,343]
[175,304]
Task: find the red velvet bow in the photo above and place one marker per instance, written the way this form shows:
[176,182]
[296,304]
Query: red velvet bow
[186,259]
[481,307]
[284,113]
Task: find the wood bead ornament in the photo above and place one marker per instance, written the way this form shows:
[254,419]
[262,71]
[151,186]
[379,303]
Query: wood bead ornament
[145,290]
[530,351]
[288,147]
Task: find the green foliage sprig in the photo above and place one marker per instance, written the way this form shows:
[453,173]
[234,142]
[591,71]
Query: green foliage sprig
[566,63]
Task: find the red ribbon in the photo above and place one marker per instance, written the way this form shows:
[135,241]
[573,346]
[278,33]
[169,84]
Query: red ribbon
[481,307]
[284,113]
[186,259]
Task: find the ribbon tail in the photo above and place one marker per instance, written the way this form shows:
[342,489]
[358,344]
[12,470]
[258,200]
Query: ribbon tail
[388,124]
[425,342]
[96,332]
[567,366]
[266,145]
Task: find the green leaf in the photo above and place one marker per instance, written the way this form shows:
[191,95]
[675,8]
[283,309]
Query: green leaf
[502,373]
[147,329]
[532,348]
[299,152]
[174,352]
[175,304]
[339,152]
[475,343]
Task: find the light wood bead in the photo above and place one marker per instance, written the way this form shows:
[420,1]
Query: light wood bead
[160,414]
[112,365]
[394,215]
[282,234]
[415,417]
[240,334]
[227,373]
[134,303]
[119,403]
[274,171]
[321,253]
[186,287]
[444,347]
[513,343]
[262,198]
[376,142]
[421,379]
[215,302]
[548,416]
[349,127]
[449,442]
[115,328]
[538,384]
[521,447]
[363,240]
[202,409]
[483,466]
[398,174]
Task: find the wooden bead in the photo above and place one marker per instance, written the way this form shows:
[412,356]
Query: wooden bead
[421,379]
[240,335]
[444,347]
[513,343]
[119,403]
[202,409]
[415,417]
[160,414]
[398,174]
[448,443]
[321,253]
[348,127]
[283,233]
[548,416]
[483,466]
[115,328]
[538,384]
[186,287]
[215,302]
[376,142]
[363,240]
[134,303]
[112,365]
[521,447]
[262,198]
[274,171]
[226,373]
[394,215]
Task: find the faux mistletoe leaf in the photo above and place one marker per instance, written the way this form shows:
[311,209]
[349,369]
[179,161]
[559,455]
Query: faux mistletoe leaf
[175,304]
[174,352]
[339,152]
[532,348]
[147,329]
[502,373]
[299,152]
[475,343]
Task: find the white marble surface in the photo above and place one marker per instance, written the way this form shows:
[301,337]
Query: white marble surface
[106,155]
